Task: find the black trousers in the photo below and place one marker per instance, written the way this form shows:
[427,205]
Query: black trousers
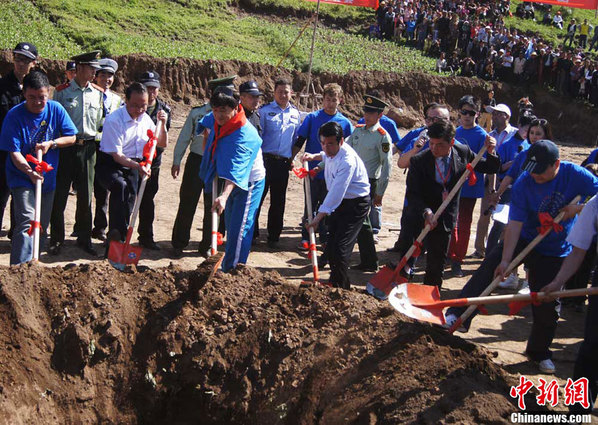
[437,243]
[344,225]
[189,193]
[77,163]
[542,269]
[277,180]
[583,275]
[585,364]
[147,207]
[365,238]
[100,217]
[122,184]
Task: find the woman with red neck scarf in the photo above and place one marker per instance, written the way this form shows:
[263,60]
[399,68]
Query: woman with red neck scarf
[233,153]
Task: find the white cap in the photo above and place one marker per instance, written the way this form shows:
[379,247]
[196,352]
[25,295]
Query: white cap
[501,107]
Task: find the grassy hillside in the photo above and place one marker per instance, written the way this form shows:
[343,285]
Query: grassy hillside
[201,29]
[547,32]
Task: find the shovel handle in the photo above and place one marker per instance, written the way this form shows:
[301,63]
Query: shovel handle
[214,244]
[311,231]
[37,213]
[439,212]
[514,263]
[500,299]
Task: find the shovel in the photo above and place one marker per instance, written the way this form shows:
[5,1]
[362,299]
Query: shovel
[382,282]
[423,303]
[215,256]
[514,263]
[121,254]
[35,229]
[312,234]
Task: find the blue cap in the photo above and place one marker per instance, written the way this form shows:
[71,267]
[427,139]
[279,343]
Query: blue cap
[540,156]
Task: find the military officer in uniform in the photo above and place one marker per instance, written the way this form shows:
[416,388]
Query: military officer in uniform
[250,99]
[151,79]
[192,185]
[104,80]
[373,145]
[85,105]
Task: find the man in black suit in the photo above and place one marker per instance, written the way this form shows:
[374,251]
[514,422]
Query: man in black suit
[432,175]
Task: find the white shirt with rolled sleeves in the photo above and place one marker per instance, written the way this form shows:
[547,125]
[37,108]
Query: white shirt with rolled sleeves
[346,178]
[124,134]
[585,228]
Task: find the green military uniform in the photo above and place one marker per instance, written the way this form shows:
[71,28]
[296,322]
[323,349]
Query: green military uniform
[373,145]
[77,163]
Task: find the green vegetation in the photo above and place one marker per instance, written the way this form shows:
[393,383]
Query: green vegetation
[547,32]
[201,29]
[360,15]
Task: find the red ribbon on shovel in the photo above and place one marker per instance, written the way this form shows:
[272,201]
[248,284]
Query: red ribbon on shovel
[40,166]
[547,223]
[147,150]
[473,179]
[34,225]
[303,173]
[515,306]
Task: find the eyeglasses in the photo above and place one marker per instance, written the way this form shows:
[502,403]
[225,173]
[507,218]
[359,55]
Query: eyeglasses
[465,112]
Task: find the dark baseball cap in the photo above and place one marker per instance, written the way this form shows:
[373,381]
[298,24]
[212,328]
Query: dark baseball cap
[71,66]
[250,87]
[26,49]
[150,79]
[540,156]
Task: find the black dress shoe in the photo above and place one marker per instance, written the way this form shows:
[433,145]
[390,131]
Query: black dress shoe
[88,247]
[55,248]
[393,249]
[150,245]
[365,267]
[177,252]
[98,234]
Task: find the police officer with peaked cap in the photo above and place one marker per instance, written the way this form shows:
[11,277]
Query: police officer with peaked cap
[104,80]
[84,104]
[192,185]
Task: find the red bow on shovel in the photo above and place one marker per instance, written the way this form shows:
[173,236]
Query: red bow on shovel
[147,152]
[40,166]
[34,225]
[472,179]
[303,173]
[547,223]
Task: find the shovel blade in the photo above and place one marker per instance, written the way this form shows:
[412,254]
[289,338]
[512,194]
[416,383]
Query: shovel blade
[400,299]
[120,254]
[383,280]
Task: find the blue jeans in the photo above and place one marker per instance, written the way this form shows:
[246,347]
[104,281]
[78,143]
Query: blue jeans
[24,204]
[240,214]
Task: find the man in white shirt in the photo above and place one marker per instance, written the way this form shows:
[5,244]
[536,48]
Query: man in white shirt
[121,153]
[347,202]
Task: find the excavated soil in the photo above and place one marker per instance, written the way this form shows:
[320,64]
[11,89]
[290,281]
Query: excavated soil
[186,80]
[89,344]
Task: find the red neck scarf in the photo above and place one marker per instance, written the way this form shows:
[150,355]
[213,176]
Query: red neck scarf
[232,125]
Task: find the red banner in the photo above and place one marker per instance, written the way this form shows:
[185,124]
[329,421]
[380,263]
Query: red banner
[363,3]
[578,4]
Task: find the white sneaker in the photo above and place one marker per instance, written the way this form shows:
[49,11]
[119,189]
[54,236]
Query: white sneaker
[450,320]
[547,366]
[524,288]
[512,282]
[376,239]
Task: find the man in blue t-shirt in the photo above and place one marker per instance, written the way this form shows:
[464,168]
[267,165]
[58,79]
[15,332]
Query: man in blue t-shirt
[38,124]
[474,136]
[308,131]
[545,188]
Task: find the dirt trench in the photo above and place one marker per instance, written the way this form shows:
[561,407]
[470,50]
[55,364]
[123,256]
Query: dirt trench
[88,344]
[186,80]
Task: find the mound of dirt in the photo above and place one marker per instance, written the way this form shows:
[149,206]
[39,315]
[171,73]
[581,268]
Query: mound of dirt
[186,80]
[89,344]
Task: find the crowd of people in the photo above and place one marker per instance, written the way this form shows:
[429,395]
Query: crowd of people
[471,39]
[95,142]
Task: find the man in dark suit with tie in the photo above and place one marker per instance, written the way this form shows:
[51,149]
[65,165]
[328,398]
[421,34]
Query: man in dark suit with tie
[432,175]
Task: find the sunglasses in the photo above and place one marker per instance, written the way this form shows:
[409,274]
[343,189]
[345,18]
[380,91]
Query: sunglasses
[470,113]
